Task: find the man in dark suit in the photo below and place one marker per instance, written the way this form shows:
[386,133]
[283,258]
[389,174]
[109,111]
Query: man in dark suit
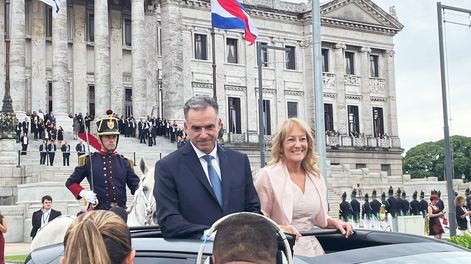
[43,152]
[201,182]
[65,148]
[80,148]
[51,152]
[44,215]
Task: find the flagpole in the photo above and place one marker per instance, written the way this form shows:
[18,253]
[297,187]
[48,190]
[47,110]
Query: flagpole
[213,39]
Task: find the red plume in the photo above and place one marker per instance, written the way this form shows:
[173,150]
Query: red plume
[94,142]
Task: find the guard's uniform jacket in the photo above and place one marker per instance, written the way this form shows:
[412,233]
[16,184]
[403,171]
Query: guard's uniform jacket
[111,173]
[375,207]
[392,206]
[414,207]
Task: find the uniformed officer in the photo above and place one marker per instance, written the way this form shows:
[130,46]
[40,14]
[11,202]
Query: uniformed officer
[414,205]
[399,202]
[440,203]
[366,213]
[345,212]
[355,204]
[111,171]
[392,209]
[405,204]
[375,207]
[423,204]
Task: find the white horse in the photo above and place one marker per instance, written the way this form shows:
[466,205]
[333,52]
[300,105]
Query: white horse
[143,209]
[141,212]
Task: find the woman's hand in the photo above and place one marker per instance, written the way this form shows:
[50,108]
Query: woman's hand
[290,229]
[345,228]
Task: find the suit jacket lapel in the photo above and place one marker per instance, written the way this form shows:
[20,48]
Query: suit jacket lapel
[225,168]
[194,166]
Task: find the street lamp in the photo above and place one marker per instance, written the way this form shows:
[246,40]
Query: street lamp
[261,130]
[8,118]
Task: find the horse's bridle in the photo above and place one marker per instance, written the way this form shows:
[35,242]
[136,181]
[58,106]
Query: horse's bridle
[148,204]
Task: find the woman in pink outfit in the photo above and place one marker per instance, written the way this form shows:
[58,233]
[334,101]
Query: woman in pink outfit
[3,229]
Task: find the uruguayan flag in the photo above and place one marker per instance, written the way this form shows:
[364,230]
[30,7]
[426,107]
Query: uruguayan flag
[55,4]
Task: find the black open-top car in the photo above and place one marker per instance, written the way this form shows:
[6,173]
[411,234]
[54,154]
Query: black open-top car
[365,246]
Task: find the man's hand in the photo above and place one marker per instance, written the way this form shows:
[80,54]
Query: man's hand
[89,196]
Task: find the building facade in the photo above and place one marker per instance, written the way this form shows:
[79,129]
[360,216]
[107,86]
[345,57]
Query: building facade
[144,56]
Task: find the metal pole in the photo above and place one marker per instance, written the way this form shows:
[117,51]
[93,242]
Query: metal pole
[448,164]
[213,39]
[134,157]
[19,161]
[261,128]
[318,88]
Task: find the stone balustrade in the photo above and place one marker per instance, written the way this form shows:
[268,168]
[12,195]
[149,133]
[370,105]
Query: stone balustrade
[361,142]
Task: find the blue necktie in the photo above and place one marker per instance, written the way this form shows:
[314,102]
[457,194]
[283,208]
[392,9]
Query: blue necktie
[214,178]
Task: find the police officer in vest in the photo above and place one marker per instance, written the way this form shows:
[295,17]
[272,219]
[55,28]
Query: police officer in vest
[111,171]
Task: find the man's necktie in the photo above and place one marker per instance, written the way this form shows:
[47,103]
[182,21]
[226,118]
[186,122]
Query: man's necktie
[214,178]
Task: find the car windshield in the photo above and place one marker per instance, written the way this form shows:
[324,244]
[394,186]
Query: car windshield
[439,257]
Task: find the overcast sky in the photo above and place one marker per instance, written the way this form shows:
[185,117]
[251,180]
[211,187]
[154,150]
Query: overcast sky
[417,62]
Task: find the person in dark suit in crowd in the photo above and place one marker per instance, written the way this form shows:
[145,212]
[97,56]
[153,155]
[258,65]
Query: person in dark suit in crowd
[24,144]
[25,126]
[35,129]
[111,172]
[43,152]
[201,182]
[65,148]
[44,215]
[414,205]
[51,152]
[423,204]
[18,129]
[80,148]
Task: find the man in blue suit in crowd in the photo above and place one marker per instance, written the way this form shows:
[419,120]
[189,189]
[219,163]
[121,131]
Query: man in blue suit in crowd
[201,182]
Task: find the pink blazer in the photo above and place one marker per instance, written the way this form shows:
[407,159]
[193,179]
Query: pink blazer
[276,194]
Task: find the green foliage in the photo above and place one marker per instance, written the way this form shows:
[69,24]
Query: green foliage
[464,240]
[427,159]
[19,258]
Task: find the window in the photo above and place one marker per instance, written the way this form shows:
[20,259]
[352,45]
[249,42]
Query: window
[91,100]
[386,168]
[325,60]
[264,55]
[349,62]
[7,20]
[90,27]
[374,67]
[328,117]
[28,17]
[49,96]
[266,117]
[127,32]
[232,52]
[353,121]
[378,122]
[128,102]
[48,21]
[201,47]
[234,115]
[291,57]
[292,109]
[360,166]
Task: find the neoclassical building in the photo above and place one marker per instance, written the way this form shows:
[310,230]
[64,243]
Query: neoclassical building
[145,56]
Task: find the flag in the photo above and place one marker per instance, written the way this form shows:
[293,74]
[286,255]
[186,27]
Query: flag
[230,14]
[55,4]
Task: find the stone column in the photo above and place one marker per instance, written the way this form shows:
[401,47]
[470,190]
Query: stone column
[341,105]
[17,57]
[187,51]
[116,67]
[102,59]
[252,94]
[79,50]
[138,60]
[60,85]
[220,80]
[172,59]
[366,111]
[279,114]
[151,55]
[391,115]
[2,50]
[38,60]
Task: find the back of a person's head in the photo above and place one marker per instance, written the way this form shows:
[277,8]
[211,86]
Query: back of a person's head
[97,237]
[245,238]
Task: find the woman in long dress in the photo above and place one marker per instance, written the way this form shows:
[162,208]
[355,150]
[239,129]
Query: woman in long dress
[292,190]
[3,229]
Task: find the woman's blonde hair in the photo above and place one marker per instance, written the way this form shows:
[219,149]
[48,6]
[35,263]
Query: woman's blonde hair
[458,199]
[97,237]
[309,163]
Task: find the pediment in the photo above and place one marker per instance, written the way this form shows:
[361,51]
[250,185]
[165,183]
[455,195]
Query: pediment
[361,12]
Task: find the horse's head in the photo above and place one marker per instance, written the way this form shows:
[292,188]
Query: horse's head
[143,208]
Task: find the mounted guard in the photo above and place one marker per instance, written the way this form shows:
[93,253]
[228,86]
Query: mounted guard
[107,172]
